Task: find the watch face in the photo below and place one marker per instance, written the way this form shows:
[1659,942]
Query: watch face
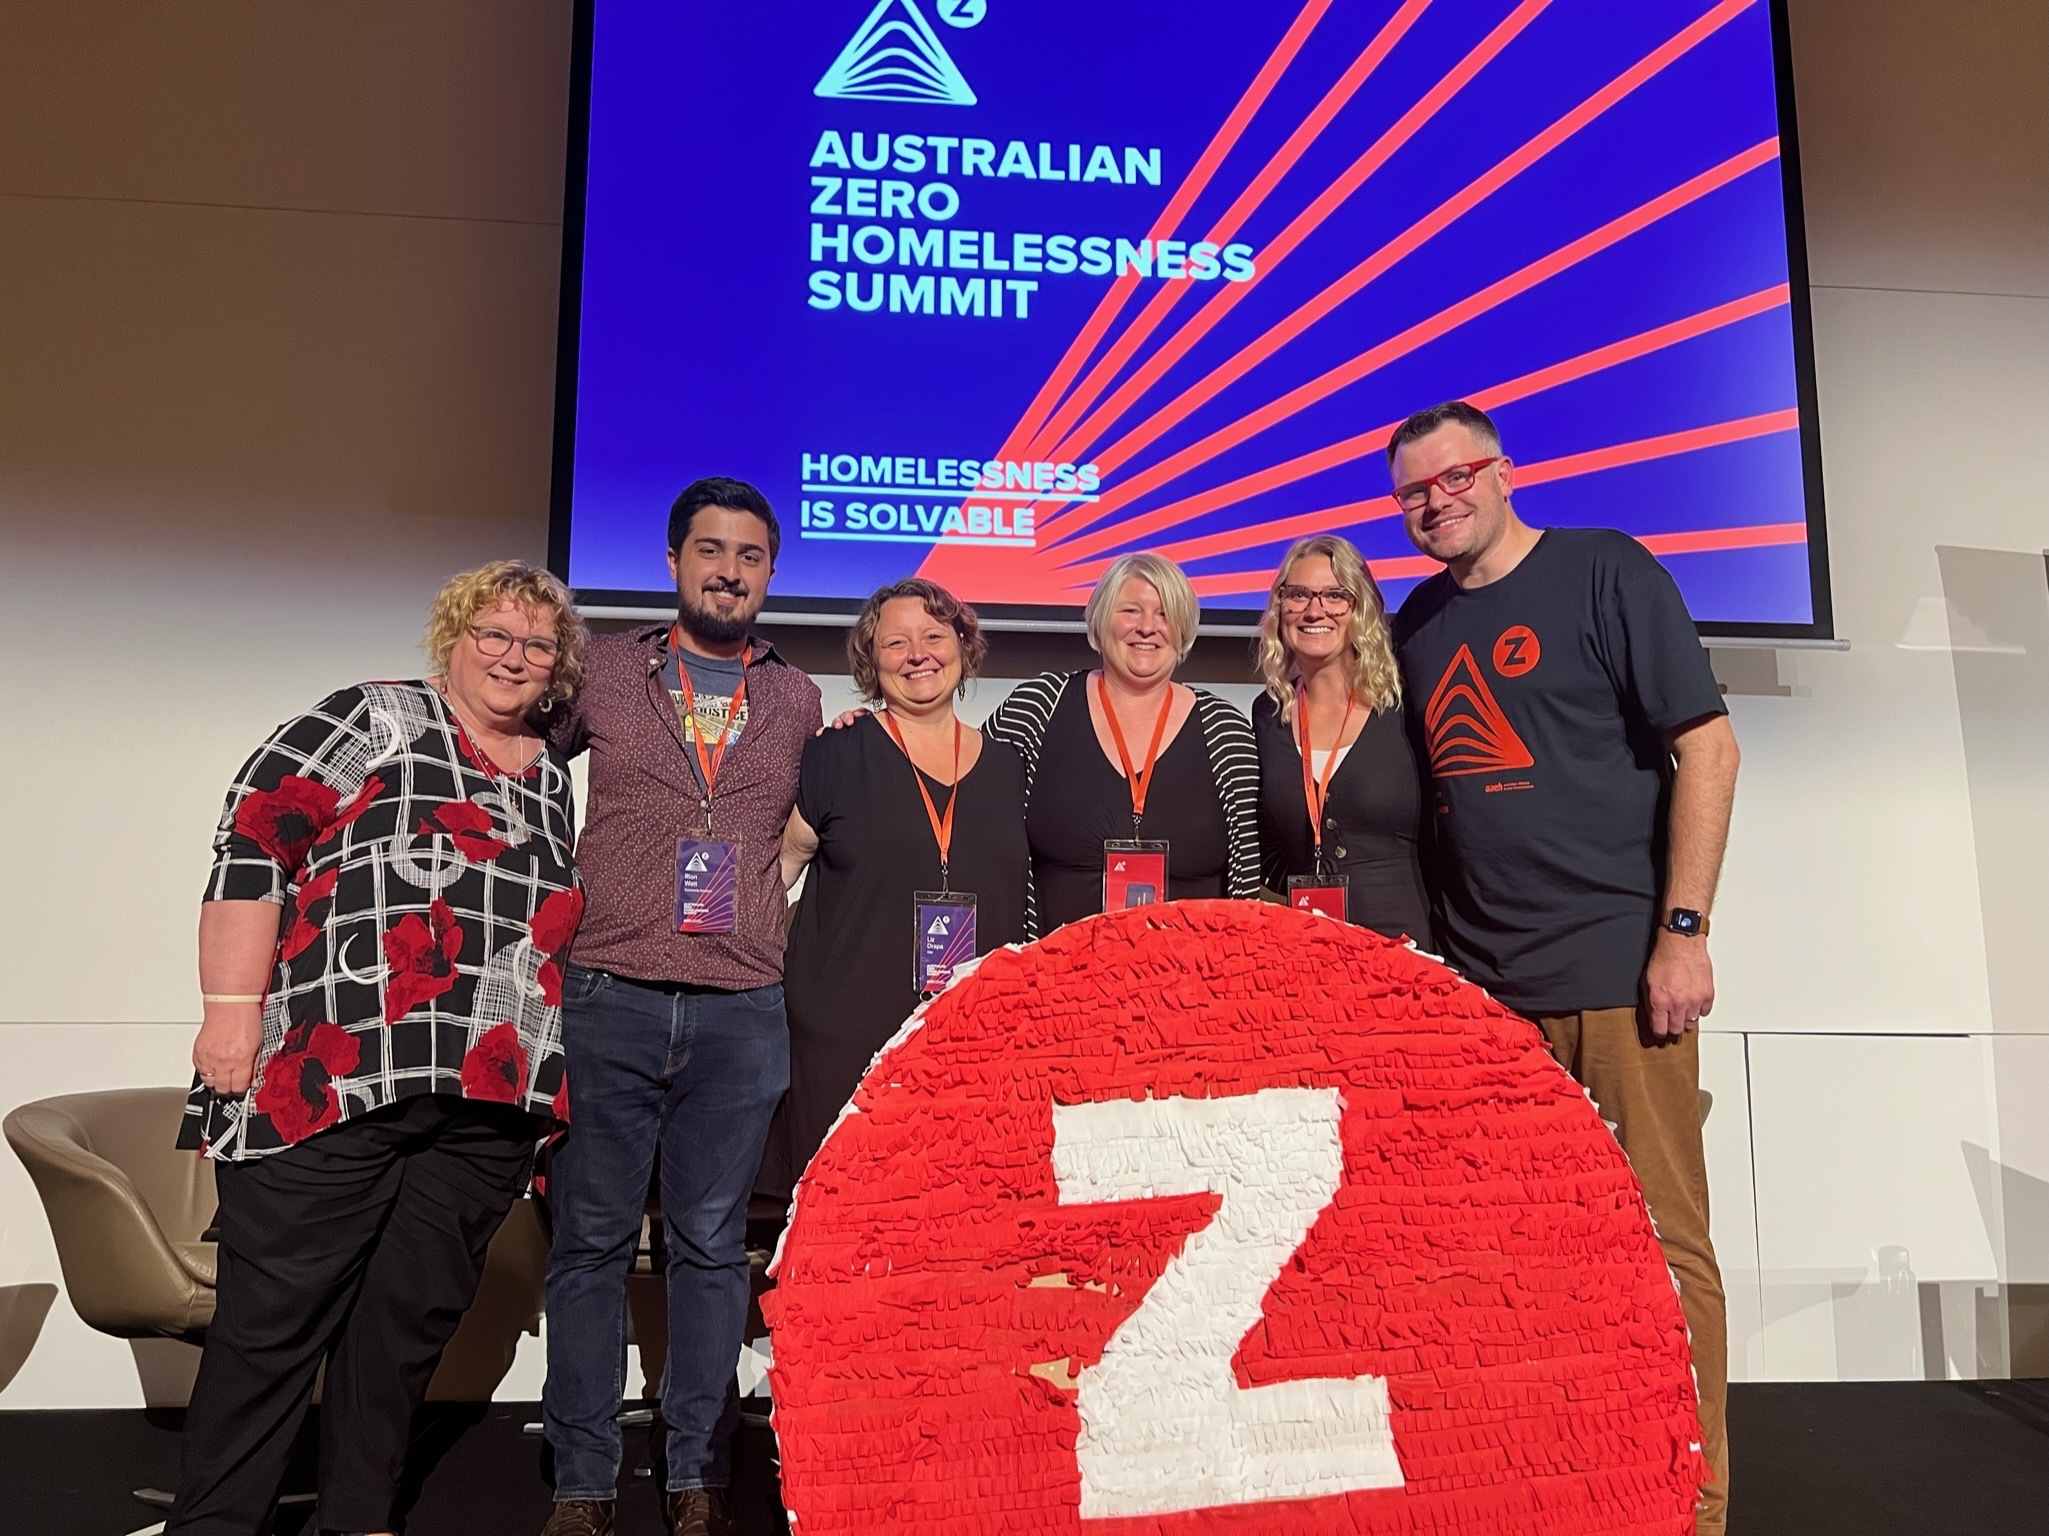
[1685,920]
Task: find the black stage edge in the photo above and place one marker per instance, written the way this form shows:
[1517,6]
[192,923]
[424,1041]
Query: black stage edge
[1820,1459]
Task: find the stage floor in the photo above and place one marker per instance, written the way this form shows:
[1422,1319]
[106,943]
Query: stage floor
[1859,1459]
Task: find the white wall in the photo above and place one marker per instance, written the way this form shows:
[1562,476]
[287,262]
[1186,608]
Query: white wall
[1881,931]
[277,291]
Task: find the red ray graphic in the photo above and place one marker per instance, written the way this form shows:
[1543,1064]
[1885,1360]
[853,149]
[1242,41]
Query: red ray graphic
[1300,467]
[983,570]
[1215,381]
[1192,187]
[1699,541]
[1702,541]
[1631,347]
[1363,444]
[1234,217]
[1641,451]
[1568,465]
[1347,373]
[1465,728]
[1304,224]
[1281,530]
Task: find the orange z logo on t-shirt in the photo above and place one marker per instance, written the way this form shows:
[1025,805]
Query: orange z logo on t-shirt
[1517,651]
[1468,733]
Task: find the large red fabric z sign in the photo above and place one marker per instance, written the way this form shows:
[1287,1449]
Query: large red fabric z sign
[1273,1159]
[1218,1214]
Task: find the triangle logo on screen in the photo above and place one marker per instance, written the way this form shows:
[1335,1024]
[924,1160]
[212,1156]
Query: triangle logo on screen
[895,57]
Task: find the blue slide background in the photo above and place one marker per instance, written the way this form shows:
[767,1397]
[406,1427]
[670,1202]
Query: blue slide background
[699,354]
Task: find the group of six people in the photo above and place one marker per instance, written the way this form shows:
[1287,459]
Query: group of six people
[413,969]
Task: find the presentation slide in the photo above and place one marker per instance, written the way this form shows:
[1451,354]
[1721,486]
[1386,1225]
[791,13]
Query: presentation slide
[994,291]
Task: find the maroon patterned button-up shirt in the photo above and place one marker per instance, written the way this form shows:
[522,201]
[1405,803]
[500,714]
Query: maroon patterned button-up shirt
[644,799]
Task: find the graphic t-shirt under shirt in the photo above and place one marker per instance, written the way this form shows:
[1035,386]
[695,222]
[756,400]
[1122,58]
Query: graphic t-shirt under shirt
[712,681]
[1543,701]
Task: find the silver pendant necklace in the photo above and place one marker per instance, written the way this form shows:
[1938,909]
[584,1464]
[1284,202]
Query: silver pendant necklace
[463,723]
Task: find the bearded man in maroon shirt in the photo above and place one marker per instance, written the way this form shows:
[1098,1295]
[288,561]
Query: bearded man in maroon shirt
[673,1016]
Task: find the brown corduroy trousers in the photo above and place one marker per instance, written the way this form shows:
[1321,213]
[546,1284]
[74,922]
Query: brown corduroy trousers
[1651,1093]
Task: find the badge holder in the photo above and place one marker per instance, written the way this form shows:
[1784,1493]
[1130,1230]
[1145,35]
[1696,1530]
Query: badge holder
[1134,874]
[942,937]
[707,885]
[1324,894]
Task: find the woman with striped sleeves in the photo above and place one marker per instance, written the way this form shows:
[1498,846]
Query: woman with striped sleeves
[1138,788]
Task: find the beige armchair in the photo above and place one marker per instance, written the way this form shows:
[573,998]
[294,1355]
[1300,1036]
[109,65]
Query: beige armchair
[126,1208]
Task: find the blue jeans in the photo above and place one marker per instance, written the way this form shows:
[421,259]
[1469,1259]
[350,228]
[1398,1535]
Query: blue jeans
[695,1073]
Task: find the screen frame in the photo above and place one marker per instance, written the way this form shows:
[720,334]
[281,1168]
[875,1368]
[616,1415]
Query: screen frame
[830,610]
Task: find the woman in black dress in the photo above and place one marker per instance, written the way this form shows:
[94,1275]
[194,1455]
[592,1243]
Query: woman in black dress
[1126,754]
[874,802]
[1329,667]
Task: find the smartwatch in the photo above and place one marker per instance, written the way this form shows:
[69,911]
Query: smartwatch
[1686,921]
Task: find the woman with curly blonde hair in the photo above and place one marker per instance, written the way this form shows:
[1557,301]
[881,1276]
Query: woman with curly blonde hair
[1340,800]
[380,966]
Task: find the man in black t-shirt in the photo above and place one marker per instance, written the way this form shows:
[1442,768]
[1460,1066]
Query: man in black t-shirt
[1581,770]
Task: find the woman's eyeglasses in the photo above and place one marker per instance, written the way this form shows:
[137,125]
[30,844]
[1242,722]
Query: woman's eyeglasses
[1334,599]
[540,652]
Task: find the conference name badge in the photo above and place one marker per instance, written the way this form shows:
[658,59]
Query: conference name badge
[707,886]
[1321,894]
[1134,874]
[942,936]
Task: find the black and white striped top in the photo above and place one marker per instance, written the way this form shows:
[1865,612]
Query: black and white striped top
[1021,720]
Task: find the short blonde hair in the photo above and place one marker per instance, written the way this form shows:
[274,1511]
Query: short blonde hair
[1177,597]
[1375,676]
[468,595]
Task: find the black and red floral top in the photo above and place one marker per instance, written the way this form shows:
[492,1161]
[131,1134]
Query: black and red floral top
[429,903]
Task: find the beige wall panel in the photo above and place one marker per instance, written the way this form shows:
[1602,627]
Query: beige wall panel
[244,448]
[1732,1195]
[1851,899]
[2019,1166]
[1866,1200]
[453,109]
[201,354]
[1922,146]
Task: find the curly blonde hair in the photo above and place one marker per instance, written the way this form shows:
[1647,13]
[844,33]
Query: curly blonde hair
[1375,677]
[467,595]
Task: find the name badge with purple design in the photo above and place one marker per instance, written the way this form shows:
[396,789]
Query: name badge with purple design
[707,886]
[942,936]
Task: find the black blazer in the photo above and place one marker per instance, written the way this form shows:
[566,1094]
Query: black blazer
[1372,821]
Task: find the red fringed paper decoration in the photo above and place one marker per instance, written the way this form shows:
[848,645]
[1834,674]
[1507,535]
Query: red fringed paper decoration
[1216,1215]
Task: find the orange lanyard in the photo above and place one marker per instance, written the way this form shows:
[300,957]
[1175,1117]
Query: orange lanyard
[1141,781]
[1317,791]
[942,827]
[708,761]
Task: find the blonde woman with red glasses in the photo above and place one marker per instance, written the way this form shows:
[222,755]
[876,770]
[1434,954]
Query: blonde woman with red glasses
[1340,799]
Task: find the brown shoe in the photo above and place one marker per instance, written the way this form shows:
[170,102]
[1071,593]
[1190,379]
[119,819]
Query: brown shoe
[699,1512]
[580,1517]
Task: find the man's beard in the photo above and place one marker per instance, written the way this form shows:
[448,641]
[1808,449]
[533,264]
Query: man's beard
[709,625]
